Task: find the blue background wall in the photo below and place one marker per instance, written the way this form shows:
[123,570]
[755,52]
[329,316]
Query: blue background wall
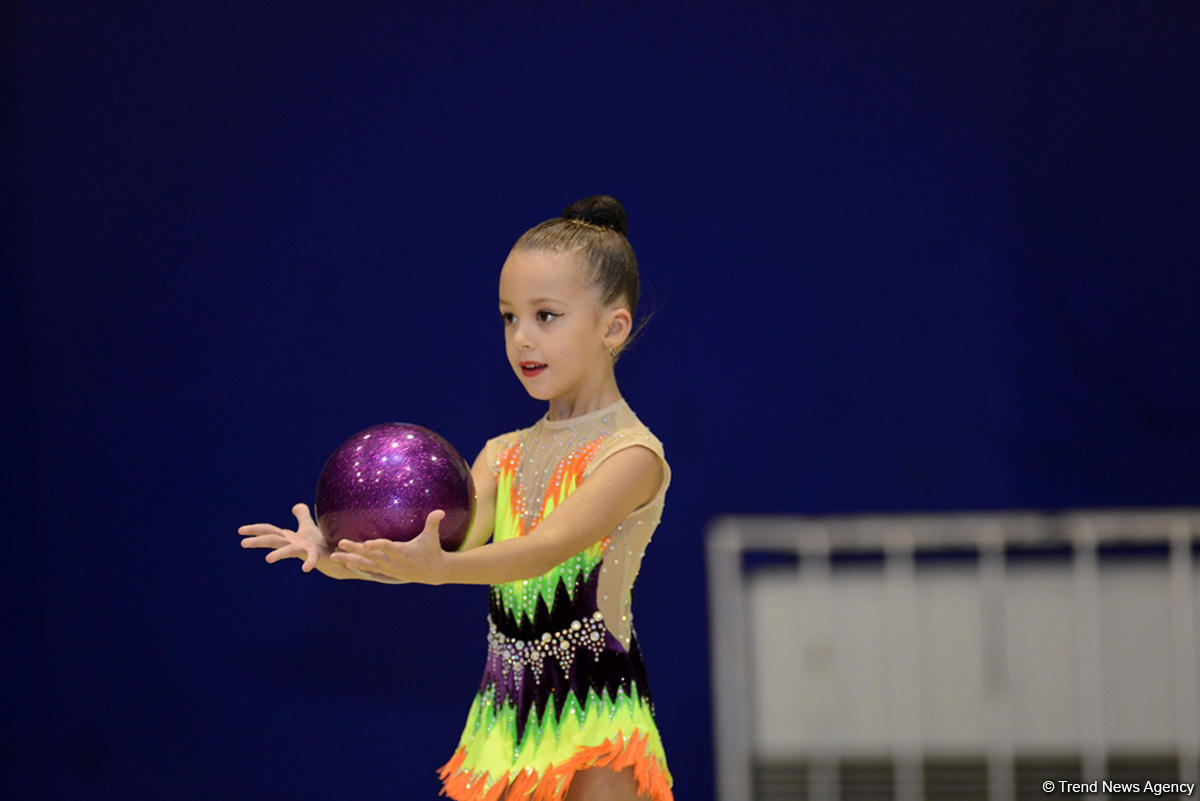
[920,257]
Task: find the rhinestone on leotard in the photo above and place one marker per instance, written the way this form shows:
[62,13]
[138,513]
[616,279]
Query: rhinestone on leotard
[513,656]
[537,469]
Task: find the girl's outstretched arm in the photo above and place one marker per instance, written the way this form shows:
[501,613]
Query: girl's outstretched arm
[620,484]
[306,541]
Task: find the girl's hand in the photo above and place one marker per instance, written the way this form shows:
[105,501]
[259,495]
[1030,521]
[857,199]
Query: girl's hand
[420,559]
[306,542]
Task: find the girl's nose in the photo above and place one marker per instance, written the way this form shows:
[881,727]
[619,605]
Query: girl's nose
[519,337]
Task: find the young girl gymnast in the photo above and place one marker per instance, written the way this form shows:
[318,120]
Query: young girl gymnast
[564,711]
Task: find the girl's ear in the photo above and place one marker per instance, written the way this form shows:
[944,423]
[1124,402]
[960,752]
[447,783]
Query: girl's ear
[620,324]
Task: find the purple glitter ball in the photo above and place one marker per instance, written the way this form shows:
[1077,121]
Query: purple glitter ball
[384,481]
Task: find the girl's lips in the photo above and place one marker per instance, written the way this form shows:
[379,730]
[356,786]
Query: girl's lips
[531,368]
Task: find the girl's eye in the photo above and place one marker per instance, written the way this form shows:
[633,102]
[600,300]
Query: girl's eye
[546,316]
[507,317]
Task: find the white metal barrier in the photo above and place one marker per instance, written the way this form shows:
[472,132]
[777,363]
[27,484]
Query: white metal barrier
[953,656]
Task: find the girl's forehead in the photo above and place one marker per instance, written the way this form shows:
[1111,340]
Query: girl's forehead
[538,274]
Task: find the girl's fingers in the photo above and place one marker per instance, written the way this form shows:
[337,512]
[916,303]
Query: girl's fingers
[264,541]
[259,528]
[356,561]
[286,552]
[378,545]
[300,510]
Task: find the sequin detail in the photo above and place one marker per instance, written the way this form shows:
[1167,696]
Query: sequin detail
[515,518]
[564,687]
[516,656]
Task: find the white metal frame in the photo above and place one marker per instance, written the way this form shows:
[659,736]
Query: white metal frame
[899,537]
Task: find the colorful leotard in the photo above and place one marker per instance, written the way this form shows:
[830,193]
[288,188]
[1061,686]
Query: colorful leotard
[564,687]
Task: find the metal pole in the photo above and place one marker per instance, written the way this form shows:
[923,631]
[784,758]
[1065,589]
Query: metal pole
[997,687]
[1183,648]
[1090,698]
[824,782]
[904,675]
[731,674]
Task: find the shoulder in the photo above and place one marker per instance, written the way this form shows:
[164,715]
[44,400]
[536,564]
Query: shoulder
[635,470]
[501,446]
[628,430]
[505,440]
[638,447]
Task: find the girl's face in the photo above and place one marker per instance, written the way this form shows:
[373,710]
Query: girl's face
[556,334]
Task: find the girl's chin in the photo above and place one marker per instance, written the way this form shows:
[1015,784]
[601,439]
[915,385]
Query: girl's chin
[534,391]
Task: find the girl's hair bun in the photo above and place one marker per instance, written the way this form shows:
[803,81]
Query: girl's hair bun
[602,210]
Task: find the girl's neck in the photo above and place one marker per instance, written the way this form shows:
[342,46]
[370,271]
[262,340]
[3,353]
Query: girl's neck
[584,401]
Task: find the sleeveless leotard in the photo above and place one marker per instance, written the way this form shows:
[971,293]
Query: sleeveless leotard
[564,686]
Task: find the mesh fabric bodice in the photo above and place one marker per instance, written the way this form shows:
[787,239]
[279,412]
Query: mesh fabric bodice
[535,470]
[564,687]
